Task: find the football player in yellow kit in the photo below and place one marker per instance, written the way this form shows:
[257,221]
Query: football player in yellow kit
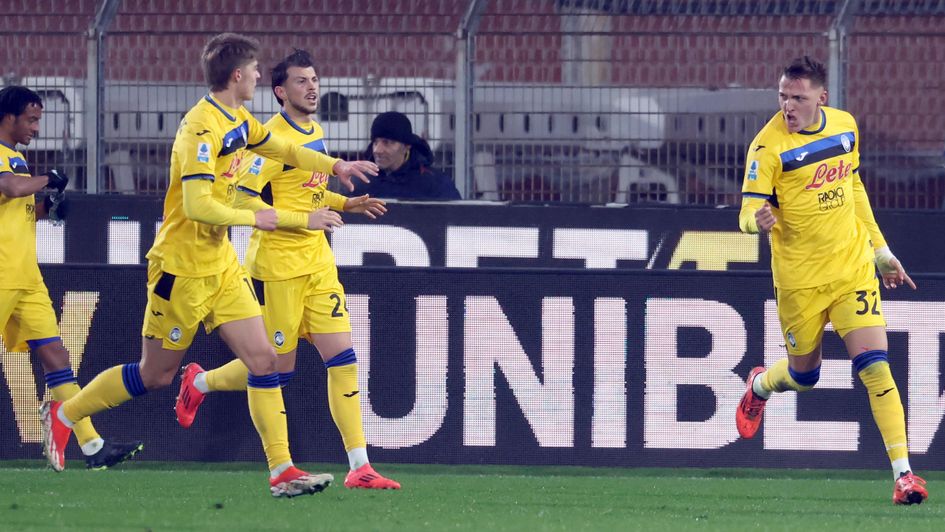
[294,272]
[27,319]
[193,272]
[802,185]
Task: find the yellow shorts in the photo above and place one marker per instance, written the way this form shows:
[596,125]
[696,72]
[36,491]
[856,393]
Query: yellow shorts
[26,314]
[849,303]
[294,308]
[177,305]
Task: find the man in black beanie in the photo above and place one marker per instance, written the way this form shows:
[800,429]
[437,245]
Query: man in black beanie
[404,160]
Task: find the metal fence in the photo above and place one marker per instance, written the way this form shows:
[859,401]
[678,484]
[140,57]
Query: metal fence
[585,101]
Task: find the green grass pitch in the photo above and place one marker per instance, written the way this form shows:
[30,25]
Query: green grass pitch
[184,496]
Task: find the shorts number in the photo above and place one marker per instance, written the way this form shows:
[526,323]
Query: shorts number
[335,313]
[861,297]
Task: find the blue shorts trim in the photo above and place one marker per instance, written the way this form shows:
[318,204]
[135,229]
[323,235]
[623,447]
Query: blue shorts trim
[34,344]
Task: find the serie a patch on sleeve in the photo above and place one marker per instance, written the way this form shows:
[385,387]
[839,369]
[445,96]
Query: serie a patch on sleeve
[203,153]
[257,165]
[753,171]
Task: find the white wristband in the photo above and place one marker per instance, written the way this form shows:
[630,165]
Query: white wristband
[884,257]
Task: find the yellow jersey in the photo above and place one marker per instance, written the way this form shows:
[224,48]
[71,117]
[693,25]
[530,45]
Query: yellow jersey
[811,179]
[210,145]
[287,253]
[19,267]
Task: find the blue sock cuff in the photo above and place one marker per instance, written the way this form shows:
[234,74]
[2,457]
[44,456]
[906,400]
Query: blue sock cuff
[806,378]
[263,381]
[59,377]
[343,358]
[284,378]
[41,342]
[868,358]
[131,377]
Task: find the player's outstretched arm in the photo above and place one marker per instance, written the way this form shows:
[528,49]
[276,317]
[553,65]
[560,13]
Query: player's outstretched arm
[275,147]
[324,219]
[199,206]
[366,205]
[346,170]
[249,199]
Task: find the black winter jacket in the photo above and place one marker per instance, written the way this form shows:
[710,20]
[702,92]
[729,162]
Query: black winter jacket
[414,180]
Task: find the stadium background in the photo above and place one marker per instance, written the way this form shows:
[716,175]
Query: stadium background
[570,106]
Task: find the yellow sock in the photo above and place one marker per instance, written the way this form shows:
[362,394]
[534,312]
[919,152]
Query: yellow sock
[268,412]
[107,390]
[779,378]
[84,431]
[886,406]
[230,377]
[345,404]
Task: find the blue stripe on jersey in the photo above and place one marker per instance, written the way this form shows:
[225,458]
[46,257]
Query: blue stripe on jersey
[823,124]
[249,191]
[260,143]
[263,381]
[11,148]
[234,139]
[131,378]
[208,177]
[222,110]
[771,198]
[19,166]
[756,195]
[818,151]
[343,358]
[60,377]
[317,145]
[296,126]
[41,342]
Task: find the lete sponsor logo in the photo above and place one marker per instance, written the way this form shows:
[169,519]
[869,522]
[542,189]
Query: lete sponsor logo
[826,173]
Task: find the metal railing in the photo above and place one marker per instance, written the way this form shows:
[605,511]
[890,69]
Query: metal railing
[584,101]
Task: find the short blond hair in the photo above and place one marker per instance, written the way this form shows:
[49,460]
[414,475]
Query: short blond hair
[225,53]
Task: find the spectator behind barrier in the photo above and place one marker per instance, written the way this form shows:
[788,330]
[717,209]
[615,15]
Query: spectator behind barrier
[404,160]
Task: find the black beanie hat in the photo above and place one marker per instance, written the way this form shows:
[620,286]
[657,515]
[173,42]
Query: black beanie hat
[394,126]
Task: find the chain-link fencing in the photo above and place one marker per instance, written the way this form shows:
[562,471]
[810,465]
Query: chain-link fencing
[583,101]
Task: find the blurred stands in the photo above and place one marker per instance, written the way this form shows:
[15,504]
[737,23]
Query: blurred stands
[709,72]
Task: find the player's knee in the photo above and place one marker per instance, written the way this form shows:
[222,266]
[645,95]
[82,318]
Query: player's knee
[155,379]
[806,380]
[53,356]
[263,362]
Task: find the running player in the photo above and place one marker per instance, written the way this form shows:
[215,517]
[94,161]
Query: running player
[193,272]
[802,184]
[27,319]
[294,272]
